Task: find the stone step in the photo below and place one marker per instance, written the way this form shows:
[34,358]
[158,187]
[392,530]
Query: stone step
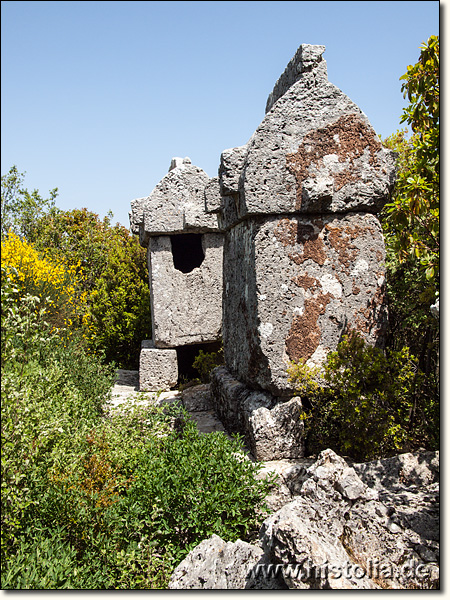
[195,399]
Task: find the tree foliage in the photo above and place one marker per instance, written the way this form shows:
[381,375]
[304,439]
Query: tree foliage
[412,223]
[105,262]
[21,209]
[113,274]
[411,220]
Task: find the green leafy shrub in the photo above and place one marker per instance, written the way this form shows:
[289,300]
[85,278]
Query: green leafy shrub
[365,403]
[99,498]
[205,362]
[120,302]
[413,215]
[112,273]
[43,562]
[51,390]
[188,487]
[124,506]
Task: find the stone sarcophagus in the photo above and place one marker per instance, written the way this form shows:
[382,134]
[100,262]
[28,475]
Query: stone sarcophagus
[184,255]
[304,252]
[293,213]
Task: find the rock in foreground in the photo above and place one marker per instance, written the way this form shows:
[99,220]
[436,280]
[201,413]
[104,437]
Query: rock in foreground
[337,533]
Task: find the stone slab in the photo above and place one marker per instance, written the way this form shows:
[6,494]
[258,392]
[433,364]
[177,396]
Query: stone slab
[207,421]
[186,307]
[158,369]
[292,286]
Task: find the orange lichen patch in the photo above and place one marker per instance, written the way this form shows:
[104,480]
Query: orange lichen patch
[306,282]
[313,249]
[347,138]
[289,232]
[304,334]
[340,240]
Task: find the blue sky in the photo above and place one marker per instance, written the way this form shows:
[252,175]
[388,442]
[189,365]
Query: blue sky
[97,97]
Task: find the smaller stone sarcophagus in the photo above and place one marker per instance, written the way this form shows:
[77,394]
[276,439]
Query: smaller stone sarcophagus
[185,250]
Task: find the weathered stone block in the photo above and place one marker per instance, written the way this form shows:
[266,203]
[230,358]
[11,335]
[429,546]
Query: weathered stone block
[314,152]
[213,198]
[292,285]
[416,469]
[136,216]
[272,430]
[186,306]
[176,205]
[278,432]
[158,369]
[231,165]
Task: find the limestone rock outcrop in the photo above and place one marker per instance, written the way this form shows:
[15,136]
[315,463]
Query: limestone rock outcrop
[218,565]
[336,533]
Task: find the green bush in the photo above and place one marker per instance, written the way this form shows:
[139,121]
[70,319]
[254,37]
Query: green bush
[112,273]
[44,561]
[124,506]
[51,390]
[365,403]
[205,362]
[95,497]
[188,487]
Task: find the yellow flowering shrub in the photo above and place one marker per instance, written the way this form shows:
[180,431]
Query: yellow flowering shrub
[55,284]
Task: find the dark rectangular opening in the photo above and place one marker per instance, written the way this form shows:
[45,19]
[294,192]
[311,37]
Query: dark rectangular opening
[187,251]
[186,356]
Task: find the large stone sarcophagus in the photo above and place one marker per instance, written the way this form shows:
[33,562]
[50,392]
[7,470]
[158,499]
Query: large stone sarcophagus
[304,252]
